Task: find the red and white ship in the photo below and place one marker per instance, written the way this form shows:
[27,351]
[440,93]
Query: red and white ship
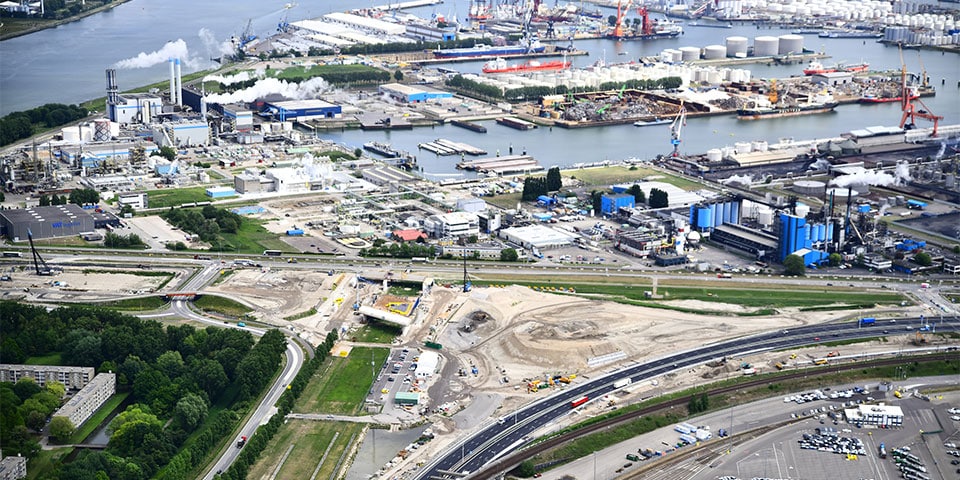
[816,67]
[501,66]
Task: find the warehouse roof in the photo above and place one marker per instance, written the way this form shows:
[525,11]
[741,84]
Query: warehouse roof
[44,214]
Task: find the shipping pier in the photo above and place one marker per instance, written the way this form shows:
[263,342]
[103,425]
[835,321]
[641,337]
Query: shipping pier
[442,146]
[502,165]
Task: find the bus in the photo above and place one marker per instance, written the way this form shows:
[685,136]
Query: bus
[272,253]
[580,401]
[13,254]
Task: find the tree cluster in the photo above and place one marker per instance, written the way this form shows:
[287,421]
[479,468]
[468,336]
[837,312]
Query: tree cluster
[554,181]
[658,198]
[793,266]
[19,125]
[46,201]
[25,407]
[173,376]
[639,198]
[115,240]
[533,187]
[698,404]
[399,250]
[84,196]
[206,223]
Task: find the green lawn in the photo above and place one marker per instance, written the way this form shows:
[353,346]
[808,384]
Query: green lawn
[225,306]
[174,197]
[137,304]
[304,314]
[49,359]
[302,73]
[376,333]
[506,201]
[43,464]
[340,386]
[252,238]
[603,176]
[310,440]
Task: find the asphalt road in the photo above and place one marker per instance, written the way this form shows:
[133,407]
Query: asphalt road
[495,440]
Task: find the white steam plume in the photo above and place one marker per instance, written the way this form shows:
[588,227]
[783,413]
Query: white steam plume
[230,79]
[175,49]
[903,172]
[865,177]
[213,47]
[744,180]
[269,86]
[820,164]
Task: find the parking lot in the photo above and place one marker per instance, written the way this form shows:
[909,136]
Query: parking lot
[396,375]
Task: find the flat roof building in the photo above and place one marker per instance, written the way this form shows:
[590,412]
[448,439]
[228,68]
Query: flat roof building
[71,377]
[539,236]
[302,110]
[45,222]
[454,224]
[410,93]
[886,415]
[427,364]
[91,397]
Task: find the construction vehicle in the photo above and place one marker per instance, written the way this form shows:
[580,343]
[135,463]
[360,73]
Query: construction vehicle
[834,353]
[46,270]
[779,366]
[675,127]
[820,361]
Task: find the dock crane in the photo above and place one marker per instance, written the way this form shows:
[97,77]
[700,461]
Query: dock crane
[38,260]
[910,110]
[675,127]
[284,24]
[621,12]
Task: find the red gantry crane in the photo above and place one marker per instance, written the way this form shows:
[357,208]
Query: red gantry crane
[907,102]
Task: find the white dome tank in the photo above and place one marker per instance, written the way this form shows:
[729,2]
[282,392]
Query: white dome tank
[766,46]
[712,52]
[743,147]
[736,45]
[714,155]
[759,145]
[690,54]
[790,44]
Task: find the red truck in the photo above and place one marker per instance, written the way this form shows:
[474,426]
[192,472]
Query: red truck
[241,442]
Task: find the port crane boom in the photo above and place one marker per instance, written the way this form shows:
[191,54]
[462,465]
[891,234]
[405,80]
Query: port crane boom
[675,128]
[910,110]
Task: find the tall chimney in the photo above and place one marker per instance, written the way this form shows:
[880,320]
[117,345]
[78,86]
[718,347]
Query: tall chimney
[173,83]
[179,85]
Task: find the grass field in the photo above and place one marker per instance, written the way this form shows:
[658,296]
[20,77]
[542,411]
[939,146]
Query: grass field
[73,241]
[43,464]
[225,306]
[341,385]
[252,238]
[310,440]
[376,333]
[136,304]
[298,316]
[506,201]
[303,73]
[174,197]
[603,176]
[49,359]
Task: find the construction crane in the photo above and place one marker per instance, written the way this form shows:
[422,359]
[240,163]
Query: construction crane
[284,24]
[908,106]
[37,259]
[621,12]
[675,127]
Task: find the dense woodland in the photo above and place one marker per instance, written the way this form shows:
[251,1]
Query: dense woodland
[19,125]
[206,223]
[175,376]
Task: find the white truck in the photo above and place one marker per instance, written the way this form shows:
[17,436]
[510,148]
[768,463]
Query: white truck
[623,382]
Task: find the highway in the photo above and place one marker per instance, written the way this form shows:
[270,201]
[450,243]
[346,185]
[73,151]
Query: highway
[495,440]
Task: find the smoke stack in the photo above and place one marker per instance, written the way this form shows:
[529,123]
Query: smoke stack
[179,85]
[173,83]
[112,89]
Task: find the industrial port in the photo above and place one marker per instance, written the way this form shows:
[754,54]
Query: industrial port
[402,198]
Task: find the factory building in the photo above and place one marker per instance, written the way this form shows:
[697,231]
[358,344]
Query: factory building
[249,183]
[427,364]
[411,94]
[13,468]
[758,243]
[93,155]
[107,183]
[217,193]
[301,110]
[426,33]
[238,118]
[489,222]
[472,205]
[91,397]
[185,132]
[487,251]
[832,78]
[386,175]
[71,377]
[452,225]
[637,243]
[45,222]
[537,236]
[135,108]
[885,415]
[612,203]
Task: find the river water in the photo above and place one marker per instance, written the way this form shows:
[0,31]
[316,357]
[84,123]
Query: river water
[66,64]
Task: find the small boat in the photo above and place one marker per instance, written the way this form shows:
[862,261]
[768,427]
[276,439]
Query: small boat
[650,123]
[709,24]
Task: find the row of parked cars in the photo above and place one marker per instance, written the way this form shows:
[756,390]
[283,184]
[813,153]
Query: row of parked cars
[830,441]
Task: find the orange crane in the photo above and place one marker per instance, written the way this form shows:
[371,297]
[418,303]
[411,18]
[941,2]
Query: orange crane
[621,12]
[910,110]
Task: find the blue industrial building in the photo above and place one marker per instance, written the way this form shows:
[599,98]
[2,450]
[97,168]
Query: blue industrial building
[301,110]
[221,192]
[410,93]
[805,239]
[706,217]
[610,204]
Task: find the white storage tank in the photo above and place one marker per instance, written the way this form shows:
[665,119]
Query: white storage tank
[714,155]
[690,54]
[666,55]
[766,46]
[714,77]
[712,52]
[736,45]
[743,147]
[809,187]
[802,210]
[790,44]
[760,146]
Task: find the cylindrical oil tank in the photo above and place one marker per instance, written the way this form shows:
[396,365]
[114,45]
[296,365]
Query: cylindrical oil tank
[714,77]
[689,54]
[736,45]
[840,194]
[759,145]
[809,187]
[714,155]
[743,147]
[666,55]
[712,52]
[766,46]
[790,44]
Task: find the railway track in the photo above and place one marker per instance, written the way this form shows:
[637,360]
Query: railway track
[511,461]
